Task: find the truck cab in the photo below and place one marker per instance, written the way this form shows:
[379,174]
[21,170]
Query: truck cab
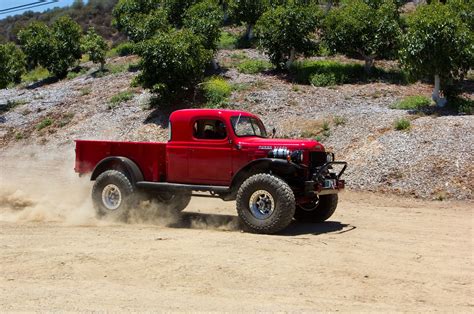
[223,153]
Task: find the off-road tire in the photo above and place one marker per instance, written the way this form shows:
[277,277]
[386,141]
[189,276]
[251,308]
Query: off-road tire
[326,207]
[284,207]
[120,181]
[173,201]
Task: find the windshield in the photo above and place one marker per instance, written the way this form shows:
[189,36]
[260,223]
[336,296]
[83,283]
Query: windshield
[248,126]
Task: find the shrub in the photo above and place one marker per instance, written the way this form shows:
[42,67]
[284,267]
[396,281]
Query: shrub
[36,41]
[204,19]
[402,124]
[172,62]
[176,10]
[12,64]
[412,103]
[227,41]
[323,79]
[216,90]
[119,98]
[124,49]
[462,105]
[254,66]
[305,72]
[284,32]
[437,44]
[338,120]
[363,28]
[95,46]
[44,123]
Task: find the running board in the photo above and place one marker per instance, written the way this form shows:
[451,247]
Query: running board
[178,186]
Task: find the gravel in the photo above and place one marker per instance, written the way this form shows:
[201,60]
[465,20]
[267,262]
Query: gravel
[433,159]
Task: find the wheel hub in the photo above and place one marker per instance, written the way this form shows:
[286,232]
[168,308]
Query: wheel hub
[261,204]
[111,197]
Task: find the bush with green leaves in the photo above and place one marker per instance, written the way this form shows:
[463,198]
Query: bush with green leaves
[12,64]
[438,44]
[285,31]
[412,103]
[172,62]
[205,19]
[326,72]
[36,41]
[247,12]
[402,124]
[357,28]
[176,10]
[253,66]
[140,19]
[95,46]
[216,91]
[56,48]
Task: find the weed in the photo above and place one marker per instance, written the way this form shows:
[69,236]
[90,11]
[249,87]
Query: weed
[37,74]
[238,87]
[66,119]
[323,79]
[12,104]
[325,72]
[462,105]
[44,123]
[19,136]
[338,120]
[412,103]
[402,124]
[119,98]
[295,88]
[76,72]
[216,90]
[85,91]
[123,49]
[238,56]
[254,66]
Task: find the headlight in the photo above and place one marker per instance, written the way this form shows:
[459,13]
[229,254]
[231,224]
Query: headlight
[330,157]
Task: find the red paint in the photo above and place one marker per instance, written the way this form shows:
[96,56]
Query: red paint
[185,158]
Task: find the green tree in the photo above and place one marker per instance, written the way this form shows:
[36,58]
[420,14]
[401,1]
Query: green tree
[12,64]
[95,46]
[172,62]
[369,31]
[140,19]
[248,12]
[67,46]
[177,9]
[437,44]
[285,31]
[205,19]
[36,41]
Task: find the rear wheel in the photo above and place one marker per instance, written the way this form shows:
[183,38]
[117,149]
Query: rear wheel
[265,204]
[175,201]
[317,211]
[112,195]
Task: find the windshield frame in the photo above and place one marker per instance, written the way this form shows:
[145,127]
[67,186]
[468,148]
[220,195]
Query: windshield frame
[254,122]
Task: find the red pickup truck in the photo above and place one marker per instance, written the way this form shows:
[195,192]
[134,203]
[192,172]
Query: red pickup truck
[219,153]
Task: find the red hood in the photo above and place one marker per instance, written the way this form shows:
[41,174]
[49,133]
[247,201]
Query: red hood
[271,143]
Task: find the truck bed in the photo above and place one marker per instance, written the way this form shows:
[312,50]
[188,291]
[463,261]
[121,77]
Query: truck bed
[149,156]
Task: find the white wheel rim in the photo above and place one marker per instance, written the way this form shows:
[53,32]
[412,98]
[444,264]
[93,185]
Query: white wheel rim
[261,204]
[111,197]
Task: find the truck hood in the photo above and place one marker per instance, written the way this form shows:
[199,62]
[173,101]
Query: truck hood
[259,143]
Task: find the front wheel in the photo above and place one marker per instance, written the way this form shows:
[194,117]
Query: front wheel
[265,204]
[317,211]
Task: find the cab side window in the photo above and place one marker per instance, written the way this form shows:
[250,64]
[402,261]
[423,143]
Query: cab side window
[208,129]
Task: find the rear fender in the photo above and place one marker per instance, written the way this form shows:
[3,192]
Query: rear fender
[124,164]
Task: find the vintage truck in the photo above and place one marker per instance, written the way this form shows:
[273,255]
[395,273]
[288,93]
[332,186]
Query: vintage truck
[216,153]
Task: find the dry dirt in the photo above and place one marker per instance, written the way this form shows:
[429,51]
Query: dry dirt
[375,254]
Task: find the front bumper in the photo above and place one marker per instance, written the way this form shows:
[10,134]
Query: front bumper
[323,183]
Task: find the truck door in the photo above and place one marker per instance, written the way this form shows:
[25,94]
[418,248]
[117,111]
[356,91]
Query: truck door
[210,155]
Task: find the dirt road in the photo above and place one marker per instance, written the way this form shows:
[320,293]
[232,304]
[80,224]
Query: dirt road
[376,254]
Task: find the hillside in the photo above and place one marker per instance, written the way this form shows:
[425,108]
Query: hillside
[94,13]
[433,159]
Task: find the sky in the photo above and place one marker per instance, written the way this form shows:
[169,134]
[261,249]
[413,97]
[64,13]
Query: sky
[6,4]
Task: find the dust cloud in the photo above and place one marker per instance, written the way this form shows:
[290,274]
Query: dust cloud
[37,185]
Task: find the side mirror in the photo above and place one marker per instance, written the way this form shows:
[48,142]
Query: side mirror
[274,132]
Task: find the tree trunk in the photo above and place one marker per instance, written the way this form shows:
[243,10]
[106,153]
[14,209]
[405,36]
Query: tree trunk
[440,101]
[249,32]
[328,6]
[215,66]
[292,58]
[369,64]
